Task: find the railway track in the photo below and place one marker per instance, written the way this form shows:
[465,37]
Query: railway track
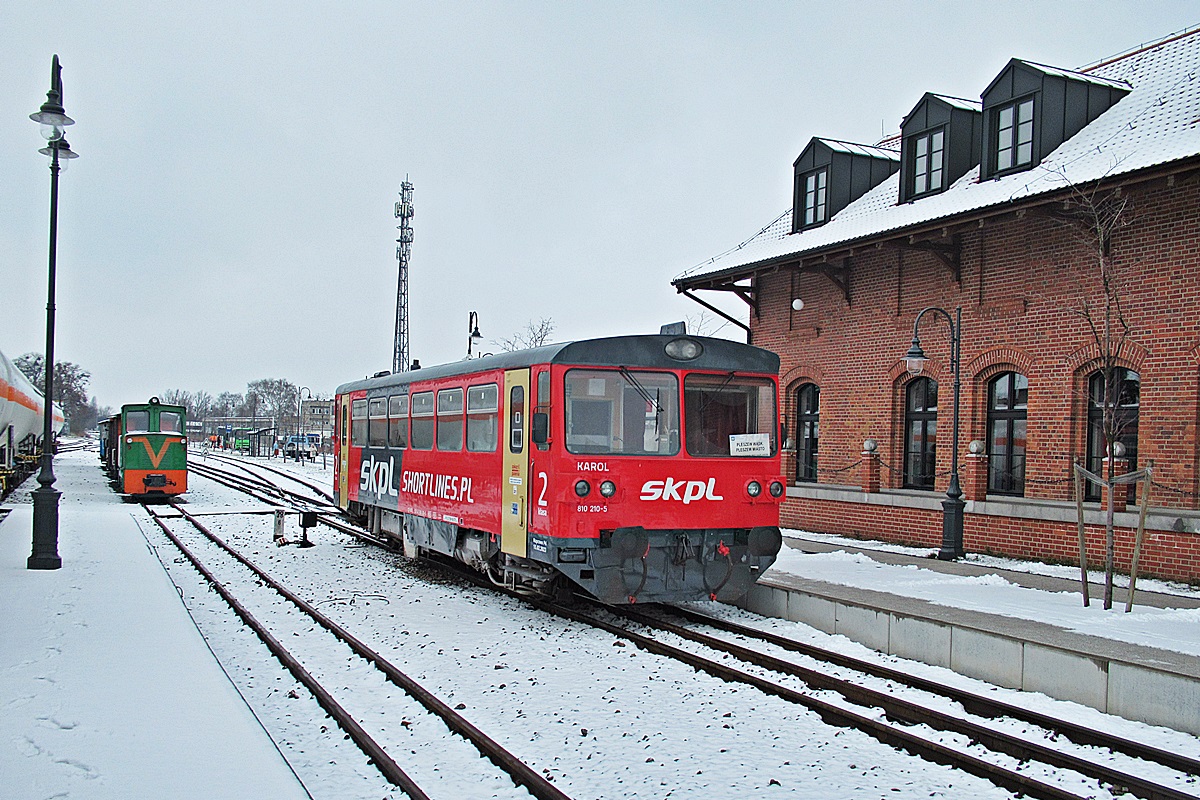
[915,727]
[517,771]
[982,721]
[1016,761]
[251,469]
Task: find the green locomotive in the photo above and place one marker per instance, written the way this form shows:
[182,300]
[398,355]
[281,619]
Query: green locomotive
[144,448]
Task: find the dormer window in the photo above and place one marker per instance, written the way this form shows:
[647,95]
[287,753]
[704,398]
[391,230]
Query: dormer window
[1014,135]
[830,175]
[815,189]
[1031,109]
[939,143]
[928,152]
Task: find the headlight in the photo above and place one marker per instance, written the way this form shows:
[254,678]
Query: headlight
[583,488]
[684,349]
[754,488]
[776,489]
[608,488]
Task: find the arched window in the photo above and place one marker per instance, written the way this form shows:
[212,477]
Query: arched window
[920,434]
[808,408]
[1008,396]
[1122,399]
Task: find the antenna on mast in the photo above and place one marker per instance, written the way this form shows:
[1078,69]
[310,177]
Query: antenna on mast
[404,213]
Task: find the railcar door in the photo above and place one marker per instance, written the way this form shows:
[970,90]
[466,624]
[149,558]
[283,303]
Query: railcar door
[515,480]
[343,449]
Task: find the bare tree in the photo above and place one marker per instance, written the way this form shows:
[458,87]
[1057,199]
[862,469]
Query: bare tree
[534,334]
[226,404]
[275,397]
[705,323]
[1094,214]
[176,397]
[201,407]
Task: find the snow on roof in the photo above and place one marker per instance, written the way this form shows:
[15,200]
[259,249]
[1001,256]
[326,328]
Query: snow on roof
[959,102]
[1072,75]
[1158,122]
[861,149]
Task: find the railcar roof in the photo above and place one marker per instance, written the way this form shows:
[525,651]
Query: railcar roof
[629,351]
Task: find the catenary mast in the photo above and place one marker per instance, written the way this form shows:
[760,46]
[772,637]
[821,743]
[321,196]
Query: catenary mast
[404,213]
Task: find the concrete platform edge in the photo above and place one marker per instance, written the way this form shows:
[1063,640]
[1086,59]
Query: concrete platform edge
[1124,688]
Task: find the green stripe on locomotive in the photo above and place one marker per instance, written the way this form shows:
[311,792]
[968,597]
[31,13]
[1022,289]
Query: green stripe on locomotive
[154,436]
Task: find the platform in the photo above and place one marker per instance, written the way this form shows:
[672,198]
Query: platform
[107,688]
[1156,685]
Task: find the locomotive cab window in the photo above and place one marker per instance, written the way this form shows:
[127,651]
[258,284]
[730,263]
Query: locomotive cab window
[718,408]
[137,421]
[398,421]
[358,423]
[482,417]
[450,420]
[622,412]
[377,429]
[169,422]
[421,408]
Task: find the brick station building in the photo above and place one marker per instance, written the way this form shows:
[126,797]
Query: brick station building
[981,205]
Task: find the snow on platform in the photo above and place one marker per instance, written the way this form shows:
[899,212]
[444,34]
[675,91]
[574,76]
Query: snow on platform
[107,689]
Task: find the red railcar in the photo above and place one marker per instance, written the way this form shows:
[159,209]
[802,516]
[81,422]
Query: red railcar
[640,468]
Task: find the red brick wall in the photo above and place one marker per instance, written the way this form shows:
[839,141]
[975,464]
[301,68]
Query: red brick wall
[1023,280]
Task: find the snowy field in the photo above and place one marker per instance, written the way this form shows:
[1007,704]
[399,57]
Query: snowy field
[601,718]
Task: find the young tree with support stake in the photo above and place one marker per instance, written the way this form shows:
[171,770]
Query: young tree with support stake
[1095,213]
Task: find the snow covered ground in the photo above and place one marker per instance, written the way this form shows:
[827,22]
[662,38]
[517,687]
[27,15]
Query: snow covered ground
[1176,629]
[604,720]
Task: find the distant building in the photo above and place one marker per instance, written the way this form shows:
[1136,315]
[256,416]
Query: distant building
[316,416]
[977,204]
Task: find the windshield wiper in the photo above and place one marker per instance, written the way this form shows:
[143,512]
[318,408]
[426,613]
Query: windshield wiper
[711,394]
[652,400]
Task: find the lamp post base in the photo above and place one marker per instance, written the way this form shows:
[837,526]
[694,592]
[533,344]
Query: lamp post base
[952,529]
[45,529]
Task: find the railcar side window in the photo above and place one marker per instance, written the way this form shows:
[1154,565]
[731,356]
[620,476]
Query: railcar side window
[358,423]
[482,410]
[717,408]
[421,408]
[398,420]
[169,422]
[450,420]
[137,421]
[622,412]
[377,428]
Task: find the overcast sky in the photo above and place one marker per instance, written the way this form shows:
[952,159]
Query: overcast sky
[230,215]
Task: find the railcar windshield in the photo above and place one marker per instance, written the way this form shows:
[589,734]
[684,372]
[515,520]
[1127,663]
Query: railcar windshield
[622,412]
[137,420]
[729,415]
[169,422]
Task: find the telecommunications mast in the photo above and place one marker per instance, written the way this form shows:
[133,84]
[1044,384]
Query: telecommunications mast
[404,213]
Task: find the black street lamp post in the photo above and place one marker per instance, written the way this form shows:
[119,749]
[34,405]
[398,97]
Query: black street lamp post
[474,337]
[953,505]
[53,120]
[300,435]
